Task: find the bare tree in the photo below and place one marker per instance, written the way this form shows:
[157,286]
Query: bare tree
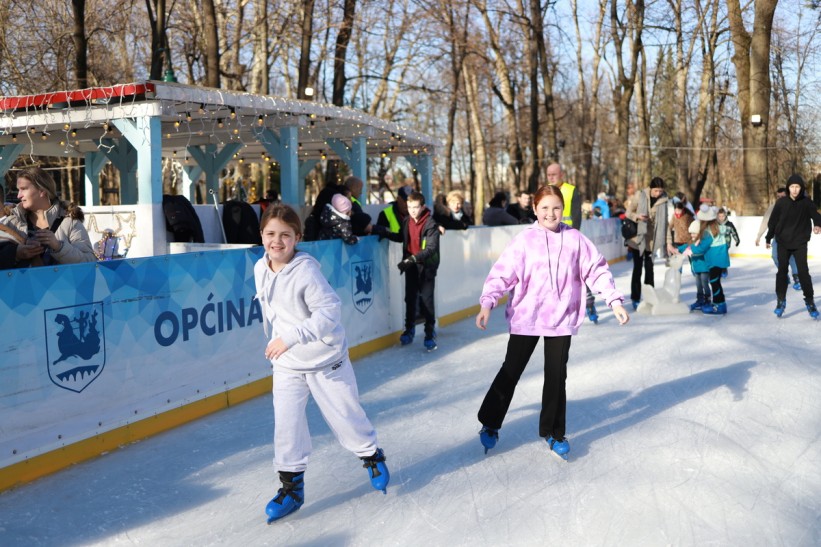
[211,50]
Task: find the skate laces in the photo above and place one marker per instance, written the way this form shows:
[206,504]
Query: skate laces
[289,488]
[370,462]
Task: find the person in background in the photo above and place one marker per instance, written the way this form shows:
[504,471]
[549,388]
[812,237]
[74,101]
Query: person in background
[308,349]
[678,228]
[648,209]
[793,221]
[335,220]
[54,228]
[420,262]
[523,208]
[544,271]
[601,209]
[729,231]
[449,212]
[496,214]
[394,215]
[762,229]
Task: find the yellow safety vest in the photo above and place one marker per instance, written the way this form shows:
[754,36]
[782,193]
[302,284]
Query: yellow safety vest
[394,225]
[567,193]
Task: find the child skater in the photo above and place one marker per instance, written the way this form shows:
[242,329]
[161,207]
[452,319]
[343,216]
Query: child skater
[701,271]
[309,353]
[544,270]
[712,244]
[729,231]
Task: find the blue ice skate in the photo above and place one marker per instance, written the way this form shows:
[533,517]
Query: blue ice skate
[592,314]
[407,337]
[698,304]
[636,304]
[779,308]
[289,498]
[489,437]
[430,341]
[377,470]
[714,309]
[559,448]
[796,284]
[812,310]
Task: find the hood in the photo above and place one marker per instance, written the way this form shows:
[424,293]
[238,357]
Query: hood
[797,179]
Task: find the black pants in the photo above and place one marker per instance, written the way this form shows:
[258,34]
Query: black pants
[554,397]
[715,285]
[418,288]
[639,260]
[782,279]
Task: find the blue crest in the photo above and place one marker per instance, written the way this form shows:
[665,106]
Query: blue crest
[362,289]
[75,345]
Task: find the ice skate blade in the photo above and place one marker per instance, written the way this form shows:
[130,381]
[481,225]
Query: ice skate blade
[271,520]
[561,457]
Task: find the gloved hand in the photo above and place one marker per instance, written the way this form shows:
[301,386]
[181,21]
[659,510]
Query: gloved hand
[406,264]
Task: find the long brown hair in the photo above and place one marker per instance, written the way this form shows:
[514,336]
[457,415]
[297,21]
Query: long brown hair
[44,182]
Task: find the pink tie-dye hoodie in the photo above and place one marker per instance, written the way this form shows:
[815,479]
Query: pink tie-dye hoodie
[545,273]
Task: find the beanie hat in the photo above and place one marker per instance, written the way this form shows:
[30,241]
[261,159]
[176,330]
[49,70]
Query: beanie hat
[341,204]
[706,213]
[796,179]
[359,223]
[695,227]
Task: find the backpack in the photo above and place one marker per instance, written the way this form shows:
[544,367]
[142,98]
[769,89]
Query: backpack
[241,223]
[629,229]
[181,219]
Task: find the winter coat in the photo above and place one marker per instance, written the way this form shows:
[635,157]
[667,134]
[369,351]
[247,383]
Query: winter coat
[678,231]
[335,225]
[545,274]
[496,216]
[652,233]
[427,260]
[730,233]
[70,232]
[299,306]
[791,222]
[714,250]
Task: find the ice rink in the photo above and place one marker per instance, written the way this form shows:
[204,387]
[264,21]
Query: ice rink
[684,430]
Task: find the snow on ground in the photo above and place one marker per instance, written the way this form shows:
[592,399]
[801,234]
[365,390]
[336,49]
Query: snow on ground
[684,430]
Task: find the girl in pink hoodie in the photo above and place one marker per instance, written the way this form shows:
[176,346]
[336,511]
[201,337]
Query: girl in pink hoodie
[544,270]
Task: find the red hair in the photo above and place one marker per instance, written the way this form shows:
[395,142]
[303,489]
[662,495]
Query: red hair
[544,191]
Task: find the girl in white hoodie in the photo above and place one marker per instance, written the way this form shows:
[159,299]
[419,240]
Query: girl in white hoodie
[309,353]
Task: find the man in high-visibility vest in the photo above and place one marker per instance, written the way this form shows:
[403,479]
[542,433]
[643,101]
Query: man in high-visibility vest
[572,216]
[396,212]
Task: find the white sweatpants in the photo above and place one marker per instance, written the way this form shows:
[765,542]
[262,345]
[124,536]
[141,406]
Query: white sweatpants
[336,394]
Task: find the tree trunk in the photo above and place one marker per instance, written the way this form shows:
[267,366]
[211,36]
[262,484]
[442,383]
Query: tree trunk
[212,52]
[80,44]
[260,73]
[751,58]
[341,50]
[303,77]
[479,155]
[537,22]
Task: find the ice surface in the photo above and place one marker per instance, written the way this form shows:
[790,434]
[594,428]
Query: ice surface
[684,430]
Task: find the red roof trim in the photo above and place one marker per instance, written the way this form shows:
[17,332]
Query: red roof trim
[80,95]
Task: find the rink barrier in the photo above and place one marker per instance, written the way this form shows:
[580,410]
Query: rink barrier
[166,358]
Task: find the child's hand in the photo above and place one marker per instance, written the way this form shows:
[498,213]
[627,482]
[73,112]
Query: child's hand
[688,251]
[621,314]
[275,349]
[482,318]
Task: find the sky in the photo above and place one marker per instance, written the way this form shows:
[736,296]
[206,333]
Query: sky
[684,430]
